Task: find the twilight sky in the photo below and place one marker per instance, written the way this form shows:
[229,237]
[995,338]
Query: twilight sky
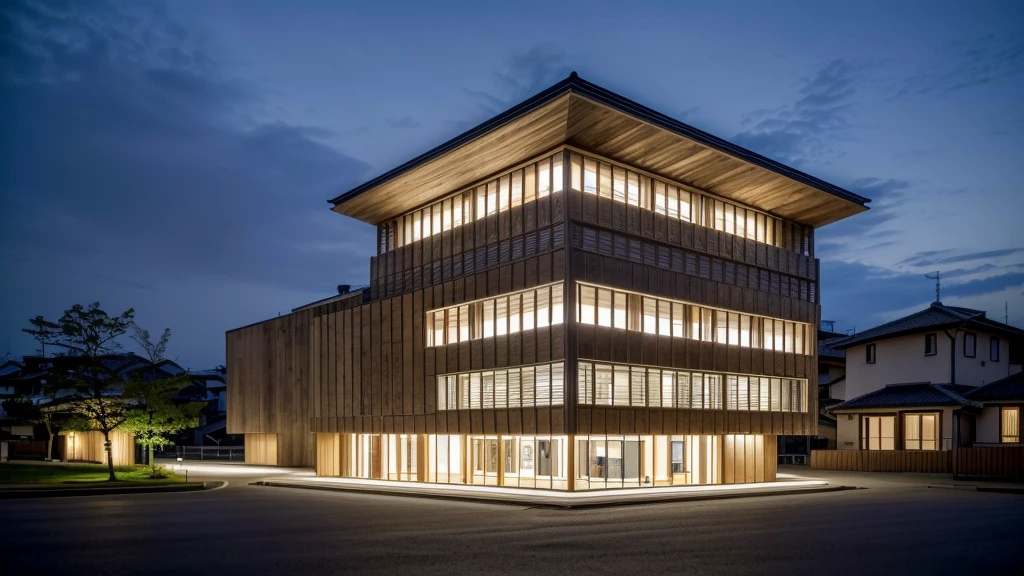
[177,157]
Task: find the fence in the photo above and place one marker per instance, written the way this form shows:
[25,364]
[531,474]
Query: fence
[996,462]
[1004,462]
[210,453]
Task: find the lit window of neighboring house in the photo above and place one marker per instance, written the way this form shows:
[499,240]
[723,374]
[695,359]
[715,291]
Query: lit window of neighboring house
[970,344]
[878,433]
[993,349]
[870,353]
[1010,425]
[930,344]
[920,431]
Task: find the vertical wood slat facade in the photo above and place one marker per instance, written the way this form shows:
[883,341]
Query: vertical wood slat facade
[270,387]
[88,447]
[297,381]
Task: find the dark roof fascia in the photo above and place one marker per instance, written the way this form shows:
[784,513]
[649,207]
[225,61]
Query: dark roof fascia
[603,96]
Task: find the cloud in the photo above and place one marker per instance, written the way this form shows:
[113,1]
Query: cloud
[132,158]
[809,127]
[403,122]
[522,76]
[930,258]
[962,65]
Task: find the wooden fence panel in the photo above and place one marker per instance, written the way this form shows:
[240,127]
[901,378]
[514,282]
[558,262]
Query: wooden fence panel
[882,461]
[989,462]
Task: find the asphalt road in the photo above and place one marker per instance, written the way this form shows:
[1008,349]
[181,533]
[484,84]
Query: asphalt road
[891,528]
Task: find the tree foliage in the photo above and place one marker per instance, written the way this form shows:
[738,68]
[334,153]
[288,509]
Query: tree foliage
[87,372]
[155,414]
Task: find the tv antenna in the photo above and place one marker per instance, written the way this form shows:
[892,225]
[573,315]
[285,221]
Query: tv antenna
[938,287]
[830,323]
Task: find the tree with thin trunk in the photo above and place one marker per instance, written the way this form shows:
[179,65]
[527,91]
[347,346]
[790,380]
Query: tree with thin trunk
[155,413]
[89,368]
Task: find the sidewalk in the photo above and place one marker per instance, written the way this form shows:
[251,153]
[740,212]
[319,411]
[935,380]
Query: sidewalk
[553,498]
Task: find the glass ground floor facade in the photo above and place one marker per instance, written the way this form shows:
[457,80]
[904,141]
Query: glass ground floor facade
[579,462]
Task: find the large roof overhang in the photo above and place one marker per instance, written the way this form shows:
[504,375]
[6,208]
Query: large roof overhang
[577,113]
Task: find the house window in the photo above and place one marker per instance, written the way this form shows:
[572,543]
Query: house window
[970,344]
[993,349]
[930,344]
[920,431]
[878,433]
[1009,425]
[678,462]
[870,353]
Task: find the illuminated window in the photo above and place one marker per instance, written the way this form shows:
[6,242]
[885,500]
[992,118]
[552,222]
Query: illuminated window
[1009,425]
[516,387]
[498,316]
[877,433]
[920,431]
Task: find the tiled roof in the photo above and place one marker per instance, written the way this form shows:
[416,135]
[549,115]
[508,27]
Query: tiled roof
[826,350]
[935,317]
[911,395]
[1009,388]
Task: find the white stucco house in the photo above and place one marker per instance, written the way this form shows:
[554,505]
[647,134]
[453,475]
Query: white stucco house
[914,383]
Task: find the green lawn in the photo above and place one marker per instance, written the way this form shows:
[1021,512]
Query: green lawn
[78,475]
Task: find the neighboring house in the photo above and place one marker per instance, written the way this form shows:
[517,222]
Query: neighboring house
[942,344]
[916,416]
[1002,402]
[578,294]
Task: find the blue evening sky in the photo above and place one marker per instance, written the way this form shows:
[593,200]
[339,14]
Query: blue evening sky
[177,157]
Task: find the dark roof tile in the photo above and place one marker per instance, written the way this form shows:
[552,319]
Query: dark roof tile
[909,395]
[1009,388]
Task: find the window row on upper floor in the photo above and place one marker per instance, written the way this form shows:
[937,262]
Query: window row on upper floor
[517,187]
[931,347]
[590,176]
[516,387]
[679,319]
[496,316]
[636,386]
[620,184]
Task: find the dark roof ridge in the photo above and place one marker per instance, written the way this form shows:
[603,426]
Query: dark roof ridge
[954,396]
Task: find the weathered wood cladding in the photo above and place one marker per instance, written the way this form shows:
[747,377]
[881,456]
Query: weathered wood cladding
[630,253]
[269,385]
[509,236]
[377,375]
[604,213]
[607,270]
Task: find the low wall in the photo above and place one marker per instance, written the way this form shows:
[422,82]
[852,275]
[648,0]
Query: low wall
[1003,462]
[995,462]
[882,460]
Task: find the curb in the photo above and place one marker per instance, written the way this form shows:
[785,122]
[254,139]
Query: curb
[976,488]
[667,498]
[63,492]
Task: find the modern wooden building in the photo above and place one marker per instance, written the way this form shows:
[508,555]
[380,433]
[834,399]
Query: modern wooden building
[580,293]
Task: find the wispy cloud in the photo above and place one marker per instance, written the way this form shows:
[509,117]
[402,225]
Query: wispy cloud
[962,65]
[404,122]
[810,127]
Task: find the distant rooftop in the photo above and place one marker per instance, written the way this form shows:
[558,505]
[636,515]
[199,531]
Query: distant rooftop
[938,316]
